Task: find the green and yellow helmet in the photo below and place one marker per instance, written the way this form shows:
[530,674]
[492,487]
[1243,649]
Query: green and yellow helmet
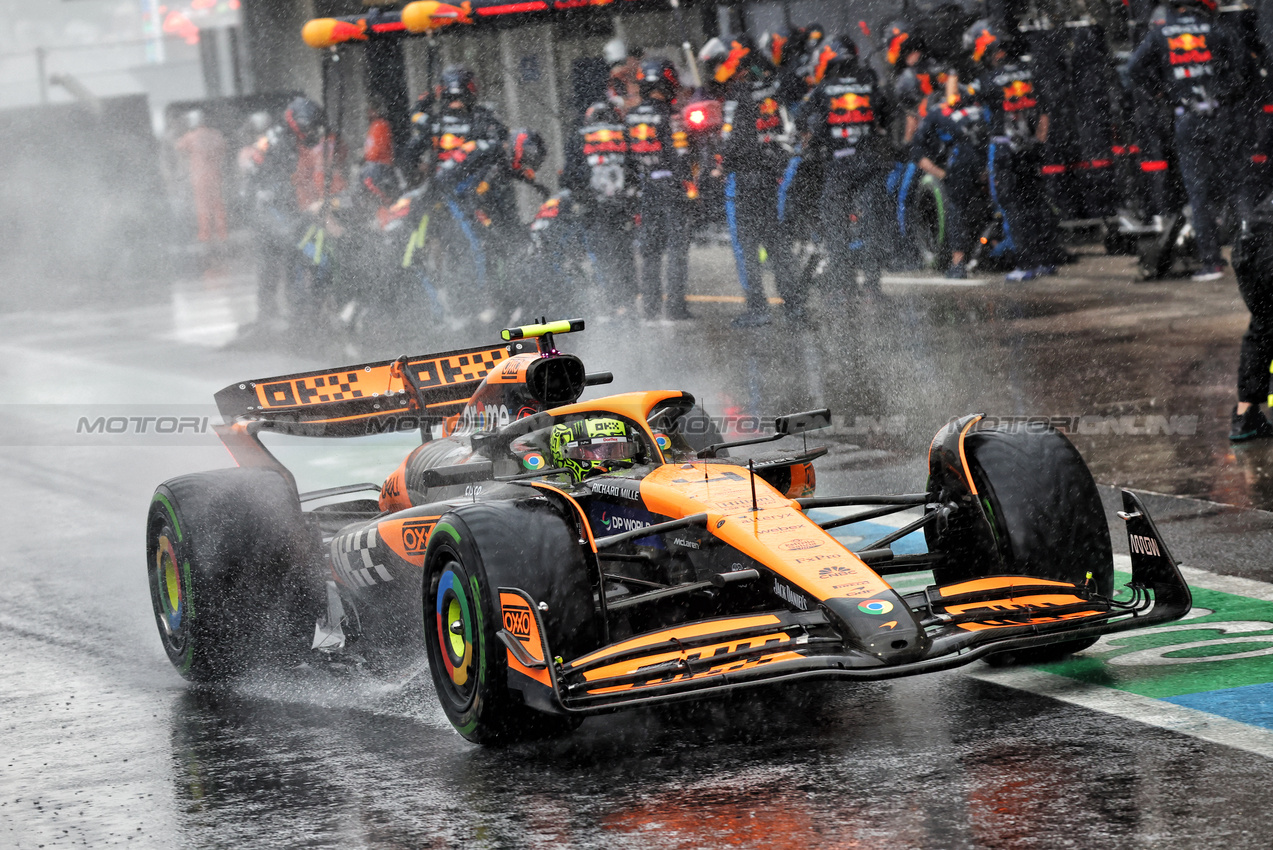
[588,446]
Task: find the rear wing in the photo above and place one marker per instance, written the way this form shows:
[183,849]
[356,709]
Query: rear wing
[367,398]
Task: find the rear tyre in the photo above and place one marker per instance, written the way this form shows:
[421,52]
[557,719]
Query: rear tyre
[1046,520]
[468,662]
[227,554]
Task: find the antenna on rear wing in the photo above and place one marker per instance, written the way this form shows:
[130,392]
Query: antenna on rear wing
[543,332]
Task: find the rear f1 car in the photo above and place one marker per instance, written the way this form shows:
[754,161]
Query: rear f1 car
[564,558]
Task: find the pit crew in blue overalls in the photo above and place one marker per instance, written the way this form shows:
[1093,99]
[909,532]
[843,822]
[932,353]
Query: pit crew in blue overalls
[1186,60]
[951,145]
[750,156]
[464,143]
[845,117]
[664,170]
[599,174]
[1019,122]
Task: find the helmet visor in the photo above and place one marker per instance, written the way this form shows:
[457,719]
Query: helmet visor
[601,448]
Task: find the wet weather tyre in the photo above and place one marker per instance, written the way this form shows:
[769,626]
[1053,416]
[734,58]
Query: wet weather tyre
[228,554]
[1045,515]
[461,618]
[926,221]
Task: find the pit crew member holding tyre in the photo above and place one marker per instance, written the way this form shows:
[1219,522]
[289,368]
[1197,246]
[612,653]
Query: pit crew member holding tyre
[951,146]
[460,144]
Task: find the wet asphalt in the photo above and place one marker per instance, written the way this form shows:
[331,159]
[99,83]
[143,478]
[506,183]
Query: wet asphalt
[102,744]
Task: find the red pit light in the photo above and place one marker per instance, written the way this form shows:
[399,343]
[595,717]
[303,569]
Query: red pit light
[702,116]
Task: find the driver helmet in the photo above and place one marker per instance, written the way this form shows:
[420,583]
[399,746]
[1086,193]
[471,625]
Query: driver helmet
[982,39]
[591,446]
[658,75]
[306,119]
[526,150]
[459,83]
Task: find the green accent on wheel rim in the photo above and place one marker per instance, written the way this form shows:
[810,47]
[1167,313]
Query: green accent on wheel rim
[185,571]
[453,613]
[172,583]
[477,613]
[172,514]
[446,526]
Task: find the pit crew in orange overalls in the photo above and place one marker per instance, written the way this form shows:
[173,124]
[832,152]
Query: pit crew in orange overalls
[204,149]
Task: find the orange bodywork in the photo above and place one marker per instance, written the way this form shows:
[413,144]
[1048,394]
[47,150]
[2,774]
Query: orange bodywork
[777,533]
[518,620]
[630,666]
[408,537]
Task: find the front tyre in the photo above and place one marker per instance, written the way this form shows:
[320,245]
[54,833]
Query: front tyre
[468,663]
[1045,520]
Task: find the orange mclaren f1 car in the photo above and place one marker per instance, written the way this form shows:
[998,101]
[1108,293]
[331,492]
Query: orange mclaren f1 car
[562,558]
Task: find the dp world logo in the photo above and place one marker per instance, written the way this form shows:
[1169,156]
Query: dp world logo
[619,523]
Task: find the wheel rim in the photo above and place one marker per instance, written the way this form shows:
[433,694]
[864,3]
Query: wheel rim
[457,633]
[170,593]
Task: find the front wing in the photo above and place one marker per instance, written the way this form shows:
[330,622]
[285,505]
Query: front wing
[964,622]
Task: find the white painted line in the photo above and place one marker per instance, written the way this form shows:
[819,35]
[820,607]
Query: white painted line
[1224,584]
[1153,712]
[898,280]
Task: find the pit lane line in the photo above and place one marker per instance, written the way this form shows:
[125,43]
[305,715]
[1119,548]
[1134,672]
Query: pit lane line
[1154,712]
[886,280]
